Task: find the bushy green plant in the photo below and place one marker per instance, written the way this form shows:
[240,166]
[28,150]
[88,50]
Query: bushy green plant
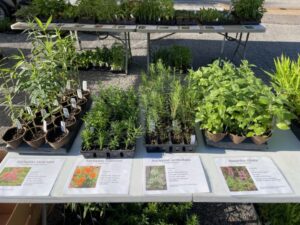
[113,121]
[279,214]
[137,214]
[232,99]
[210,15]
[249,10]
[286,82]
[178,57]
[117,57]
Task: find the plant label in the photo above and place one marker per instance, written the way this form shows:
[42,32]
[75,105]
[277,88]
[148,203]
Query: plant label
[66,113]
[55,103]
[193,139]
[29,110]
[63,126]
[43,112]
[84,85]
[79,94]
[73,103]
[68,86]
[18,124]
[45,126]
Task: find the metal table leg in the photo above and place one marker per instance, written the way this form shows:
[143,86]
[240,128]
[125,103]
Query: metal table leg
[44,214]
[148,52]
[77,40]
[129,44]
[223,46]
[126,53]
[245,45]
[238,45]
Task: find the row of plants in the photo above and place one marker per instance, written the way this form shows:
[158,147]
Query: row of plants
[107,59]
[176,56]
[169,109]
[112,126]
[47,84]
[133,214]
[140,12]
[232,101]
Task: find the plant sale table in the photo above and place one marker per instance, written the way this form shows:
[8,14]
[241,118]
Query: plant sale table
[284,151]
[240,32]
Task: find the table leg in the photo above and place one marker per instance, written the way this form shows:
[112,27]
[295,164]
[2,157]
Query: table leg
[238,45]
[223,46]
[77,40]
[245,45]
[44,214]
[129,45]
[126,53]
[148,52]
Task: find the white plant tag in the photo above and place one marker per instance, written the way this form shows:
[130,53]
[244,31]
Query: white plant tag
[45,126]
[193,139]
[29,110]
[68,86]
[84,85]
[66,113]
[43,112]
[73,103]
[18,124]
[79,93]
[63,126]
[55,103]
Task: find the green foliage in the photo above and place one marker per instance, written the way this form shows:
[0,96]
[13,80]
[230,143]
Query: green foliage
[279,214]
[137,214]
[232,99]
[178,57]
[286,82]
[249,10]
[211,15]
[167,102]
[113,121]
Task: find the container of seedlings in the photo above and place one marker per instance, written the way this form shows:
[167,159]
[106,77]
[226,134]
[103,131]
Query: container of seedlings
[186,18]
[13,137]
[235,109]
[168,107]
[215,17]
[58,137]
[112,126]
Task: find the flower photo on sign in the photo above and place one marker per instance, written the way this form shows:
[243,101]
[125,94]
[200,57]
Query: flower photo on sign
[238,178]
[85,177]
[13,176]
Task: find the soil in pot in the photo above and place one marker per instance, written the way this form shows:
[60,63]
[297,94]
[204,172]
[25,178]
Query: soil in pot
[259,140]
[151,139]
[82,102]
[70,122]
[56,138]
[35,137]
[215,137]
[176,138]
[13,137]
[86,94]
[236,139]
[76,112]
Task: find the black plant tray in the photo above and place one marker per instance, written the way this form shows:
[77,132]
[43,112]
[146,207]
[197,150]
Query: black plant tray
[46,149]
[226,143]
[295,127]
[91,154]
[172,148]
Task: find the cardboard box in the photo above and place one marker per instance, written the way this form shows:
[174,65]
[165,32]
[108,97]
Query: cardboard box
[20,214]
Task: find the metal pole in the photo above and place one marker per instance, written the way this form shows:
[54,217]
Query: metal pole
[238,45]
[245,46]
[223,46]
[126,54]
[129,44]
[148,52]
[44,214]
[77,40]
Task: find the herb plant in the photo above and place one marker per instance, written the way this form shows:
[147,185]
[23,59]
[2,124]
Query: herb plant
[249,10]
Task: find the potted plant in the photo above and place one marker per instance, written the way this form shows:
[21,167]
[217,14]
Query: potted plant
[211,16]
[248,11]
[117,57]
[58,137]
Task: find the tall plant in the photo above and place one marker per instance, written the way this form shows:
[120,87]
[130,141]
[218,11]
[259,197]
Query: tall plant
[249,10]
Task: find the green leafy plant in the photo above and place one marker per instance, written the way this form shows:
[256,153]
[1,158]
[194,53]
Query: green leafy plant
[211,15]
[249,10]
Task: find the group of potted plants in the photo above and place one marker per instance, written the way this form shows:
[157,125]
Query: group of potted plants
[169,111]
[53,99]
[158,12]
[107,59]
[112,125]
[232,101]
[286,83]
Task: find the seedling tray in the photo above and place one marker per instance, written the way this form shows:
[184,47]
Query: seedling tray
[91,154]
[226,143]
[295,127]
[172,148]
[46,149]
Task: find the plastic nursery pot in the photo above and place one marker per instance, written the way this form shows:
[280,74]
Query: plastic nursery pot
[64,100]
[76,112]
[70,122]
[56,138]
[69,92]
[82,103]
[13,137]
[36,140]
[236,139]
[215,137]
[86,94]
[259,140]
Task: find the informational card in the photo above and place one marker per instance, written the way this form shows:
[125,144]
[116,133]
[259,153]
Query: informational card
[29,177]
[99,176]
[252,175]
[174,174]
